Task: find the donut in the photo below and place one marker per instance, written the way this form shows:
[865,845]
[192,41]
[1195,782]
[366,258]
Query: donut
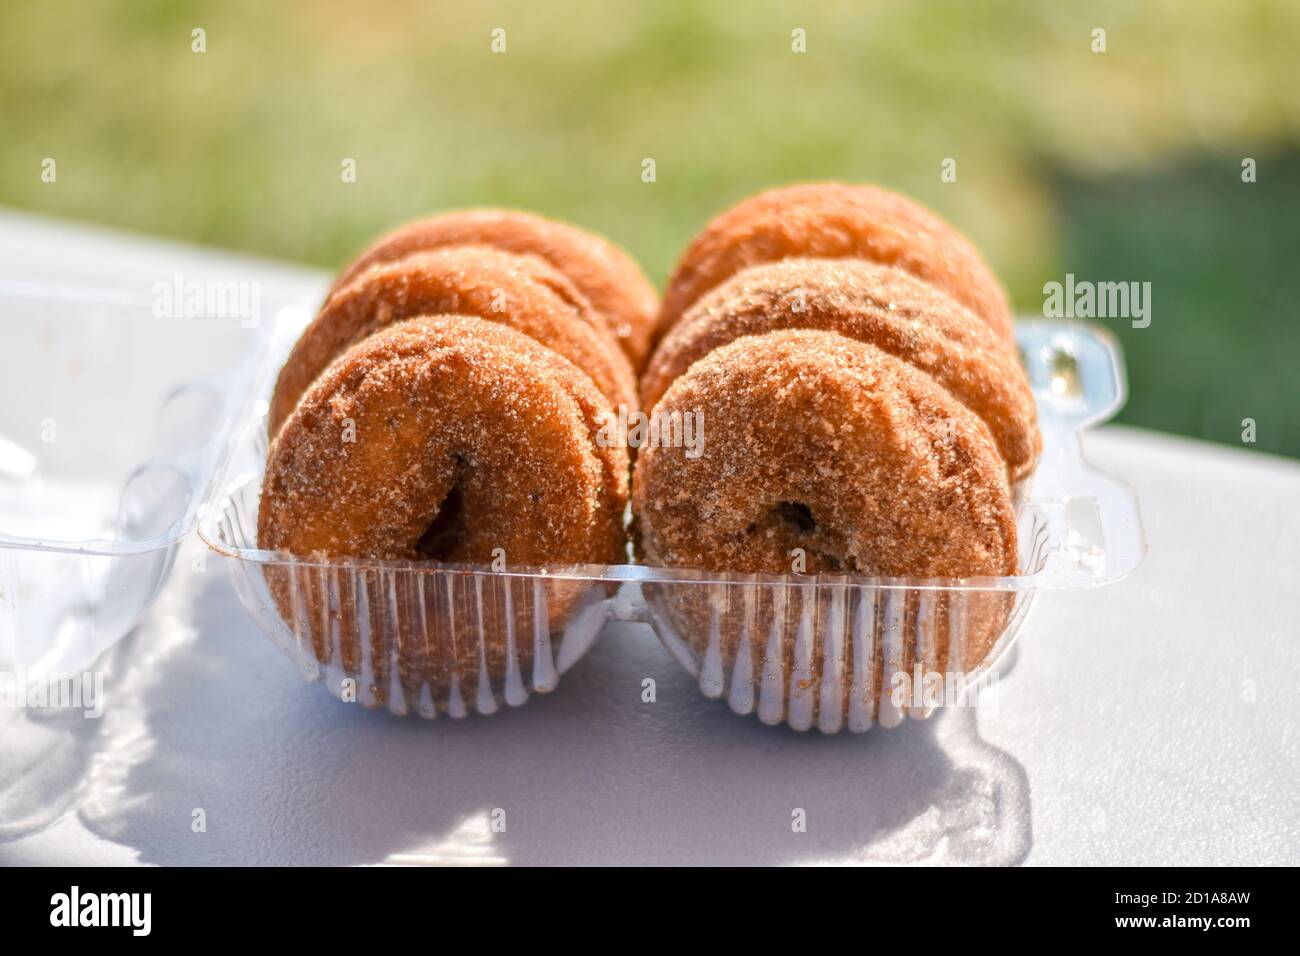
[604,273]
[836,221]
[822,443]
[444,438]
[898,477]
[520,291]
[881,305]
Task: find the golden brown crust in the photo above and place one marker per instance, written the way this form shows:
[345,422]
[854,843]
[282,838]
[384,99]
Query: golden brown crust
[836,221]
[881,305]
[443,404]
[443,438]
[520,291]
[822,443]
[605,274]
[817,441]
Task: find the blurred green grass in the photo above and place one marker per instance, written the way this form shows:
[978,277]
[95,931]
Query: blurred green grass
[1119,166]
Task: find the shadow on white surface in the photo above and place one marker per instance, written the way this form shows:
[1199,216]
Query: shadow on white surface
[46,756]
[202,714]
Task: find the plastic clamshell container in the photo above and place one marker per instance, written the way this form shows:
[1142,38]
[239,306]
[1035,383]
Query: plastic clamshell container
[113,421]
[807,650]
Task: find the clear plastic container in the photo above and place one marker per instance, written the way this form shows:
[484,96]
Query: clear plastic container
[120,431]
[807,650]
[113,421]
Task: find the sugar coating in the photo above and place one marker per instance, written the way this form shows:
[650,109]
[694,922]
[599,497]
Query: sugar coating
[521,291]
[605,274]
[881,305]
[442,409]
[828,444]
[834,221]
[825,447]
[441,403]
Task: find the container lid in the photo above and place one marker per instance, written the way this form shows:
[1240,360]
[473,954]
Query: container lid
[116,402]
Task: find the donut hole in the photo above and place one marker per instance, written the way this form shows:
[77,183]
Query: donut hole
[439,540]
[794,526]
[796,516]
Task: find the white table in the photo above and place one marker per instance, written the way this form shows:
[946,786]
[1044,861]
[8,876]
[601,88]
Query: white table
[1153,721]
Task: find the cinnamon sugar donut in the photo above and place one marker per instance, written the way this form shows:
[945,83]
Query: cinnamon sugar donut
[897,477]
[878,304]
[823,443]
[836,221]
[520,291]
[608,277]
[467,437]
